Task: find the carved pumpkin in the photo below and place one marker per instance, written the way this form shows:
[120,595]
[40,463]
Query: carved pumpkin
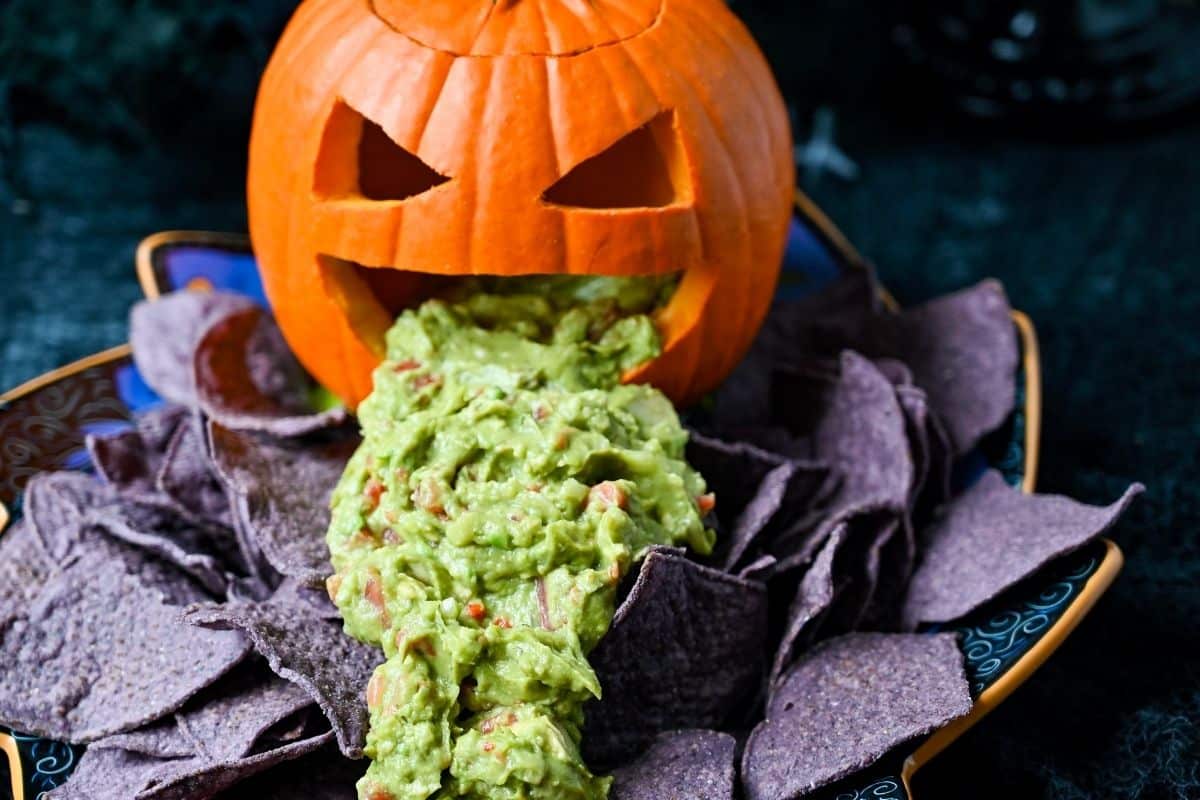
[397,141]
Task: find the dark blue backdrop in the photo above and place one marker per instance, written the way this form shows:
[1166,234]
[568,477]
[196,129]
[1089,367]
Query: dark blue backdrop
[121,118]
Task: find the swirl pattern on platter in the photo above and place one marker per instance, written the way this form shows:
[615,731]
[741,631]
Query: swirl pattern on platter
[47,763]
[994,641]
[882,789]
[45,429]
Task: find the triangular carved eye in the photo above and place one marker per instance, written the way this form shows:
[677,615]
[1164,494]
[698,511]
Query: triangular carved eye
[358,158]
[643,169]
[386,171]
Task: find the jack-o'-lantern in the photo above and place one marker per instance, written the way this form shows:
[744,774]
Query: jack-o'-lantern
[398,141]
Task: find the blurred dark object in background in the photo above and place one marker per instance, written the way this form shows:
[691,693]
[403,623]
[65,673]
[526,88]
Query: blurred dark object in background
[1055,62]
[172,79]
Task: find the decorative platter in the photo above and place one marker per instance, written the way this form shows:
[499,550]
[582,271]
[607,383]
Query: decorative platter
[44,422]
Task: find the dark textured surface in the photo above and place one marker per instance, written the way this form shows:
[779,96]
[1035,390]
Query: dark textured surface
[118,119]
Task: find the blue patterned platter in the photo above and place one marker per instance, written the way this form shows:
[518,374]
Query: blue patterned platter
[44,422]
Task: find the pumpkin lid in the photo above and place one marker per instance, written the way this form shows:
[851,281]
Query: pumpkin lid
[518,27]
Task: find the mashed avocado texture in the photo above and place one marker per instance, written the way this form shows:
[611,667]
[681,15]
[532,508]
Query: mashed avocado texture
[505,483]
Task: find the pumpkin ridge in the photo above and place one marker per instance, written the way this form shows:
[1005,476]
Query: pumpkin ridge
[544,53]
[629,114]
[612,31]
[756,75]
[604,12]
[542,24]
[435,97]
[752,75]
[323,19]
[473,200]
[721,146]
[711,33]
[474,40]
[551,125]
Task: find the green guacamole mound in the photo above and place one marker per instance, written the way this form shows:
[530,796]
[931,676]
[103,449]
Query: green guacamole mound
[505,483]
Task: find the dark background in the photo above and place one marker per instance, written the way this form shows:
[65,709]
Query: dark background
[121,118]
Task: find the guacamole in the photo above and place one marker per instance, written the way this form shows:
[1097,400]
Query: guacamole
[505,483]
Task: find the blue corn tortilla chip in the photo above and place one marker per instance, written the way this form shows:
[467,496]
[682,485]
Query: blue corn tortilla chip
[857,571]
[733,470]
[246,378]
[820,325]
[251,589]
[895,371]
[790,491]
[895,556]
[915,407]
[993,536]
[164,334]
[56,504]
[162,461]
[691,764]
[193,548]
[757,492]
[156,425]
[759,569]
[961,349]
[24,567]
[813,598]
[69,509]
[186,476]
[122,461]
[224,722]
[110,773]
[97,653]
[129,460]
[860,434]
[310,651]
[858,428]
[281,490]
[60,509]
[941,461]
[258,569]
[846,703]
[686,647]
[296,592]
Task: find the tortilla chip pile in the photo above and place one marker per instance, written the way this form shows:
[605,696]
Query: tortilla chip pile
[168,611]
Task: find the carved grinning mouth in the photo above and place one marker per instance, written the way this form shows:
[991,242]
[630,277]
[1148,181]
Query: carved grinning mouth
[372,297]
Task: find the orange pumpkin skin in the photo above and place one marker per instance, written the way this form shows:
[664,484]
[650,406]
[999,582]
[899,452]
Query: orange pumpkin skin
[667,108]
